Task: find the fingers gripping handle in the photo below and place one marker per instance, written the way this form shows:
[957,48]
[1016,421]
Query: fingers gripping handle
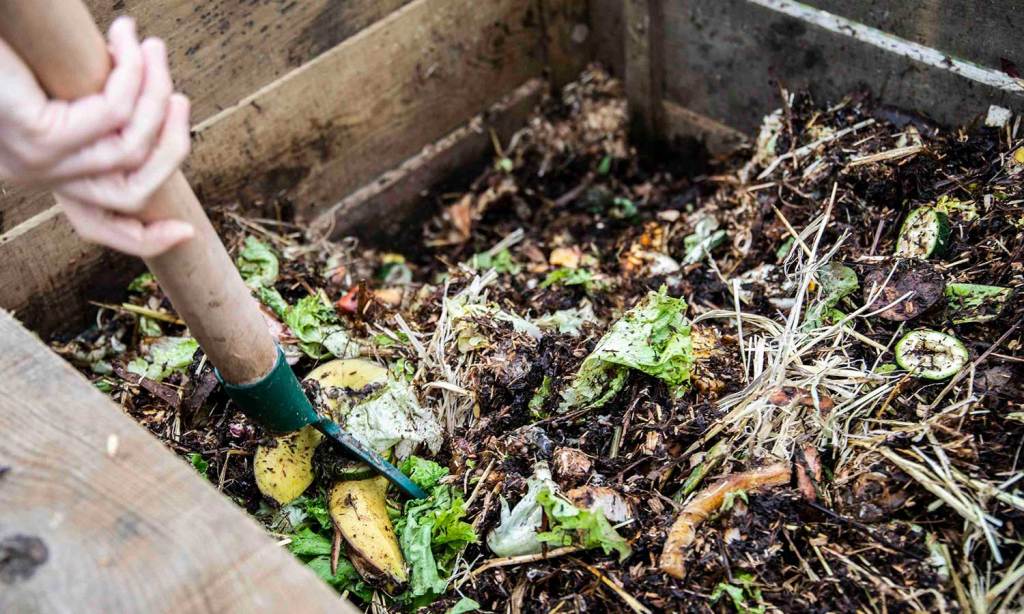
[60,42]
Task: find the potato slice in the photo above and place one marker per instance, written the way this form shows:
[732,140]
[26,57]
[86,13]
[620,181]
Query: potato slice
[359,511]
[284,471]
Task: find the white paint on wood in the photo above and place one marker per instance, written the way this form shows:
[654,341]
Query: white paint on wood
[894,44]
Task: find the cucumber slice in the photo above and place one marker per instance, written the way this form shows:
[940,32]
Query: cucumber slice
[925,232]
[975,302]
[930,354]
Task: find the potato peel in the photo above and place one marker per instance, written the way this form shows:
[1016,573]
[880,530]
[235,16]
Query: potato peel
[359,511]
[285,470]
[684,529]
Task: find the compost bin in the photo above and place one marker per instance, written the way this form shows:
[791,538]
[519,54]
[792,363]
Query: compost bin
[726,321]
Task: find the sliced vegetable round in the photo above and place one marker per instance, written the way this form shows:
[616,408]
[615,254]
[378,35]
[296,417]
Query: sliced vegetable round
[930,354]
[925,232]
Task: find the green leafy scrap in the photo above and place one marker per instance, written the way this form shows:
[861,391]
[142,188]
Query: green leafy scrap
[199,463]
[273,299]
[566,276]
[837,281]
[705,238]
[424,473]
[142,283]
[168,355]
[540,397]
[432,532]
[257,263]
[741,593]
[653,337]
[622,208]
[463,606]
[569,525]
[973,303]
[315,324]
[501,262]
[149,328]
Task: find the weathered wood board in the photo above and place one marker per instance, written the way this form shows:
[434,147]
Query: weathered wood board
[606,34]
[222,50]
[402,192]
[316,134]
[724,58]
[97,516]
[981,31]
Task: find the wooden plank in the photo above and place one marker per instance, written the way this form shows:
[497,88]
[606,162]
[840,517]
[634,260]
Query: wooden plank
[305,141]
[981,32]
[566,39]
[643,70]
[682,123]
[723,60]
[393,206]
[606,34]
[98,516]
[356,111]
[222,50]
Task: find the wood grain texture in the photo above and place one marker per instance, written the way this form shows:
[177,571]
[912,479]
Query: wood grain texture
[392,207]
[566,40]
[222,50]
[682,123]
[305,141]
[644,69]
[981,31]
[607,41]
[725,59]
[117,522]
[363,107]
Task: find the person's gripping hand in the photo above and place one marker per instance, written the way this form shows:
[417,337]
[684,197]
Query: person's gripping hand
[103,155]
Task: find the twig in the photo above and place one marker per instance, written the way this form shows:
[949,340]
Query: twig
[891,154]
[483,478]
[508,561]
[796,154]
[963,372]
[633,603]
[141,311]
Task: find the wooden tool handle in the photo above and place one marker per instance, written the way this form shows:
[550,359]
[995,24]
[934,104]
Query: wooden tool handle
[59,40]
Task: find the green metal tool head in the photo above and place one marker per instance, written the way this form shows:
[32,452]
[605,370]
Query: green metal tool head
[279,404]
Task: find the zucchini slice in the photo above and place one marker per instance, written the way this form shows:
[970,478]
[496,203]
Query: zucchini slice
[925,232]
[930,354]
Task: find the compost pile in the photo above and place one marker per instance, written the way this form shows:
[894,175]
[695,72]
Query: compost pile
[789,382]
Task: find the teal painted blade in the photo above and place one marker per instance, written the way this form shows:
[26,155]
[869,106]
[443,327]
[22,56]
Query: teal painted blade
[379,464]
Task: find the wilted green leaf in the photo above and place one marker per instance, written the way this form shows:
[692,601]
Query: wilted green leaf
[198,462]
[257,264]
[570,525]
[463,606]
[652,337]
[142,283]
[432,532]
[705,238]
[168,355]
[837,281]
[149,328]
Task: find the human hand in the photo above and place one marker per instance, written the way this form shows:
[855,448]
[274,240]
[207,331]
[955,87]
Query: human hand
[104,155]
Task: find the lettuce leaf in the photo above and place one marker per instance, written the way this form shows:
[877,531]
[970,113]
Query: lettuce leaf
[652,337]
[520,529]
[315,324]
[432,532]
[168,355]
[257,264]
[570,525]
